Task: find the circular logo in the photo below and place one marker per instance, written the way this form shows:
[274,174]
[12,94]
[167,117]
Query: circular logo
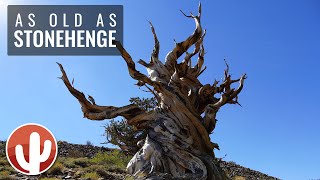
[31,149]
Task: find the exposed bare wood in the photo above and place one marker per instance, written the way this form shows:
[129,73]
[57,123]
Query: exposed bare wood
[96,112]
[135,74]
[155,53]
[230,94]
[183,46]
[197,47]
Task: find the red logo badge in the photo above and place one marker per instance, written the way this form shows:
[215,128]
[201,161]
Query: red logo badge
[31,149]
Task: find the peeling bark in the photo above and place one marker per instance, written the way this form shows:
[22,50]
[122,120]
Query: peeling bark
[178,141]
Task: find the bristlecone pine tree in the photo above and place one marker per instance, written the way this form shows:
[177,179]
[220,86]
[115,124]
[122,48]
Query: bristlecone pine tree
[178,141]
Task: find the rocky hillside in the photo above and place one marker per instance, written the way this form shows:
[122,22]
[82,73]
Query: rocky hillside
[94,162]
[66,149]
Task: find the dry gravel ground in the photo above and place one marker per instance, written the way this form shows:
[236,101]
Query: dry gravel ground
[96,163]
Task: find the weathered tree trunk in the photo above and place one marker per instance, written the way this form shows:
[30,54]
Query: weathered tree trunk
[178,141]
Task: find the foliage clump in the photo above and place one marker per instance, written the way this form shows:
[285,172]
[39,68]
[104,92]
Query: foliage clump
[120,133]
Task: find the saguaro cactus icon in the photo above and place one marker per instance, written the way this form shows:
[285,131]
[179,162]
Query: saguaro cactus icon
[35,158]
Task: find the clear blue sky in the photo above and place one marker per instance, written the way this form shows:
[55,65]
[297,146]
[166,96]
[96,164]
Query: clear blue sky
[277,43]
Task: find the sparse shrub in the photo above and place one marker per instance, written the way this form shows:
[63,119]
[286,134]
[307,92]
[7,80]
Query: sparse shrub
[3,162]
[91,176]
[128,177]
[56,169]
[82,162]
[4,173]
[239,178]
[68,162]
[89,143]
[9,169]
[6,177]
[112,159]
[103,173]
[79,173]
[93,168]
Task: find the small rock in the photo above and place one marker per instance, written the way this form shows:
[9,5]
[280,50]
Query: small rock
[67,177]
